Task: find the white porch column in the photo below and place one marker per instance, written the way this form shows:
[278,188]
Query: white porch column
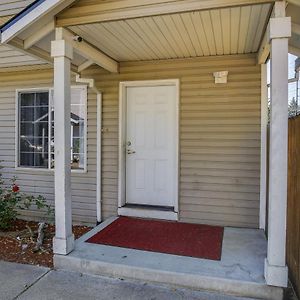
[62,53]
[276,272]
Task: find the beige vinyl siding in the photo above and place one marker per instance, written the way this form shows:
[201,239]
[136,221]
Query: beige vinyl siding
[4,19]
[12,7]
[42,181]
[11,58]
[219,136]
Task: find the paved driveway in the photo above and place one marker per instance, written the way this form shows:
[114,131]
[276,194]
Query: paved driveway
[24,282]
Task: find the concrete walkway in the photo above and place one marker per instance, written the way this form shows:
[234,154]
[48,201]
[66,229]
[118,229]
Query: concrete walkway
[24,282]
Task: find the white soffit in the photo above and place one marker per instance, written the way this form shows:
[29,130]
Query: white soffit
[233,30]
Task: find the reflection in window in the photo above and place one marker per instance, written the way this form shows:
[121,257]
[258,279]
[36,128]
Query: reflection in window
[78,128]
[33,129]
[36,129]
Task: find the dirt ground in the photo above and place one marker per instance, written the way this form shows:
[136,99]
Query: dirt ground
[18,243]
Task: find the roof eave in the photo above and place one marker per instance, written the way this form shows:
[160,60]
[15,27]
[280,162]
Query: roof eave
[19,15]
[31,15]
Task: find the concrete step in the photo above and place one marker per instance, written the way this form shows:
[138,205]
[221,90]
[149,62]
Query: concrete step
[226,286]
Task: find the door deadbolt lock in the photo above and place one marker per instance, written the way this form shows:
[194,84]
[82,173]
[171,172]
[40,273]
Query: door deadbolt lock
[130,151]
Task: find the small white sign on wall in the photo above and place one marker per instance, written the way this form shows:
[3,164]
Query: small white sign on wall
[221,76]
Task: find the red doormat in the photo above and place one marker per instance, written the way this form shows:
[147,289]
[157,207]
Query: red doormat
[202,241]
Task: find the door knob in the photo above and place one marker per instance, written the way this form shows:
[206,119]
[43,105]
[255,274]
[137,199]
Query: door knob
[130,151]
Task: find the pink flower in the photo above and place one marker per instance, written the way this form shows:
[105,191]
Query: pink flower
[15,188]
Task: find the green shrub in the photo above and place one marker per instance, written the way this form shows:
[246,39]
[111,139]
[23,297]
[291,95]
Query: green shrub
[12,200]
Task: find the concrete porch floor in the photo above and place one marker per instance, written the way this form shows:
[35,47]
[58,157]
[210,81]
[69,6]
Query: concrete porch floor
[239,272]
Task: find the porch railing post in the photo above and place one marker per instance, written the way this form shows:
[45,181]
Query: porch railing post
[62,53]
[276,272]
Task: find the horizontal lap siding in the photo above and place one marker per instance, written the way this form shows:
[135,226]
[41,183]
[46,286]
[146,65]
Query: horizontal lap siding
[4,19]
[219,139]
[42,182]
[12,7]
[219,136]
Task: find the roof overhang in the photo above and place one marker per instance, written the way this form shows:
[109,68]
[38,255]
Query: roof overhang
[38,21]
[31,22]
[40,9]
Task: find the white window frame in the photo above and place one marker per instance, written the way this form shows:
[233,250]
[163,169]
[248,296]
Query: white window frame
[17,129]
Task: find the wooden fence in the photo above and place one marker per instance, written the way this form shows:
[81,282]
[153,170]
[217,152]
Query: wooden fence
[293,215]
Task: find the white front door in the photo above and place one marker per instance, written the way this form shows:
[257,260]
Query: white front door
[151,139]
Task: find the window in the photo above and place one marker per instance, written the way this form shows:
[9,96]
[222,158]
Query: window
[36,129]
[33,129]
[293,85]
[78,125]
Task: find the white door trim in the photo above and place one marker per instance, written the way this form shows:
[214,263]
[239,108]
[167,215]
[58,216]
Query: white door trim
[122,136]
[148,213]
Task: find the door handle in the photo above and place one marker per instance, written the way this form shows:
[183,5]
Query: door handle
[130,151]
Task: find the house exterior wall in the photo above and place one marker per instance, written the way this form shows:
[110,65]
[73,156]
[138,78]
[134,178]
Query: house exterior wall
[10,57]
[219,136]
[42,181]
[12,7]
[219,139]
[4,19]
[8,8]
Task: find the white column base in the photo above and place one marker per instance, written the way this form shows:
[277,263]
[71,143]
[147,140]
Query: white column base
[276,275]
[63,246]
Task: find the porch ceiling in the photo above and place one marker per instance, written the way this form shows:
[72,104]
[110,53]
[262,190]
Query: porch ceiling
[233,30]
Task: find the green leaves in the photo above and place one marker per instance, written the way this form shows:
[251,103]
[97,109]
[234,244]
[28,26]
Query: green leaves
[12,200]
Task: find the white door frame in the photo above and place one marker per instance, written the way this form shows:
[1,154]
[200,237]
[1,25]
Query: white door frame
[122,140]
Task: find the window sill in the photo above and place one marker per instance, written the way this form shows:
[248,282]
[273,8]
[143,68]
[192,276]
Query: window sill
[49,171]
[23,169]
